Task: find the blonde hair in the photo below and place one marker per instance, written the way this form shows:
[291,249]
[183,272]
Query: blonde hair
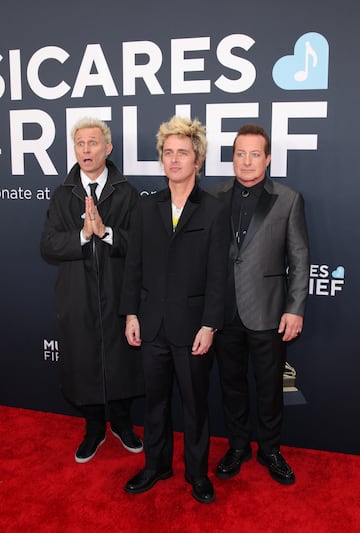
[187,128]
[91,122]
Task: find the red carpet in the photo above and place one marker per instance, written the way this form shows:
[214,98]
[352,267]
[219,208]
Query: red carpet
[42,489]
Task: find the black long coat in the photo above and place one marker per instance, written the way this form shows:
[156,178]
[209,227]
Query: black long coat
[97,363]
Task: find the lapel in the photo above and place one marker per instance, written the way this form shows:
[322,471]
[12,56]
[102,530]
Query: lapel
[73,180]
[102,205]
[164,206]
[192,204]
[106,192]
[265,204]
[114,177]
[79,191]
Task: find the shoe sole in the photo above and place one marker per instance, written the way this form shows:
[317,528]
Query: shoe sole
[81,460]
[283,481]
[235,472]
[132,450]
[162,477]
[200,500]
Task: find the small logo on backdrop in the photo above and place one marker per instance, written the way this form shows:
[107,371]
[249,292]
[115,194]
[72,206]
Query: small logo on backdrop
[307,68]
[289,377]
[326,281]
[51,351]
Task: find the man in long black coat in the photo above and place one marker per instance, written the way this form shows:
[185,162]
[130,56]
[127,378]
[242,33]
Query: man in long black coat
[87,237]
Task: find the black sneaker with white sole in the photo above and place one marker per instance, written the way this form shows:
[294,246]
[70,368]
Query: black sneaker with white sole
[129,439]
[88,447]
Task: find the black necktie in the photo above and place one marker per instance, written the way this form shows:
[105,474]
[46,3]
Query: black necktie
[92,190]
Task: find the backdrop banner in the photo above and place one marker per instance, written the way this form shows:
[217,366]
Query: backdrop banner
[291,67]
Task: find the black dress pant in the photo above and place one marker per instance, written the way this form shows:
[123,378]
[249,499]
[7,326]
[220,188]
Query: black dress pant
[234,345]
[162,362]
[95,416]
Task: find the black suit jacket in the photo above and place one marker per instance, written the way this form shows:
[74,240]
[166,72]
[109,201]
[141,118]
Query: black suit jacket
[177,277]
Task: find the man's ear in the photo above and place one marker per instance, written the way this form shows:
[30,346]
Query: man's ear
[109,148]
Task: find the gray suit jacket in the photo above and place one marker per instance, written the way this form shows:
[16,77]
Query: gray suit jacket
[269,275]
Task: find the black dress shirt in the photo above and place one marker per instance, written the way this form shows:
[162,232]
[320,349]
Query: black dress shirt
[244,202]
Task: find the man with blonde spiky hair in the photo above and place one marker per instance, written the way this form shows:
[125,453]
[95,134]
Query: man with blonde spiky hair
[173,296]
[187,128]
[86,234]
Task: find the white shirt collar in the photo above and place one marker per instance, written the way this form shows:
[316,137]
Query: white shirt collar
[100,180]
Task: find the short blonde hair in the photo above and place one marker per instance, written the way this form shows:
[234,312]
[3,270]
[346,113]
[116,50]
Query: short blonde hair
[187,128]
[91,122]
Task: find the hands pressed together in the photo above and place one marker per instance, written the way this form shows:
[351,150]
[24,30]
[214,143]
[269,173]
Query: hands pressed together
[93,224]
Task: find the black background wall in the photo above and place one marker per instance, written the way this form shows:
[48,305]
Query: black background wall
[290,66]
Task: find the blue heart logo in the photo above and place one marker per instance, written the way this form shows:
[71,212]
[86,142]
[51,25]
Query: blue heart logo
[307,68]
[339,273]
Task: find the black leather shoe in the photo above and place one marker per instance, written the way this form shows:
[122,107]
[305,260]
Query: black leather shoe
[230,464]
[202,489]
[88,447]
[277,466]
[145,480]
[129,439]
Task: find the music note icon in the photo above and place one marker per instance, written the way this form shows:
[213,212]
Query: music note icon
[302,75]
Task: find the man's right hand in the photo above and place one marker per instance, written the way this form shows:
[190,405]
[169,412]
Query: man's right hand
[132,330]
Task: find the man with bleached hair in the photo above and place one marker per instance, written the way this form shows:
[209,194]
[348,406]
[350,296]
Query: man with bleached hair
[173,297]
[86,234]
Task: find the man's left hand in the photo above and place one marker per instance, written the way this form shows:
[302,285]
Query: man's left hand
[291,326]
[202,342]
